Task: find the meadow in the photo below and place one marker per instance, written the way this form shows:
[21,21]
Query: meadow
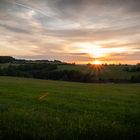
[47,110]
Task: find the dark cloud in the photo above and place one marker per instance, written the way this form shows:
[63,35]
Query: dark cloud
[94,6]
[15,29]
[123,56]
[82,54]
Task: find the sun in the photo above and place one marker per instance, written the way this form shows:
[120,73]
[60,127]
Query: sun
[97,62]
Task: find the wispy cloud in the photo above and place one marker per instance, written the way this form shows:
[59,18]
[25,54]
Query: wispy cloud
[51,28]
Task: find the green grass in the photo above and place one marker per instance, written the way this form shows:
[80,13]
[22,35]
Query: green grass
[115,72]
[71,111]
[104,72]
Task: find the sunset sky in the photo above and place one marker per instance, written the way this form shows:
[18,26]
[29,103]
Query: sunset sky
[78,31]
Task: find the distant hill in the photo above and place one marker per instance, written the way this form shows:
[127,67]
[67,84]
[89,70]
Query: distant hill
[10,59]
[6,59]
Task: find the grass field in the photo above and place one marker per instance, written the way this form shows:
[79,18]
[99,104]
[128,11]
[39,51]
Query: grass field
[41,109]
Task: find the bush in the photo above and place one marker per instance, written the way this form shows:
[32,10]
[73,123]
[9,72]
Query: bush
[135,79]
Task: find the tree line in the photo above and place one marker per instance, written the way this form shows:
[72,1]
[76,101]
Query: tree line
[44,69]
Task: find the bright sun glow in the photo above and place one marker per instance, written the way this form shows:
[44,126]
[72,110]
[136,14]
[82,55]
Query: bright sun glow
[97,51]
[97,62]
[92,49]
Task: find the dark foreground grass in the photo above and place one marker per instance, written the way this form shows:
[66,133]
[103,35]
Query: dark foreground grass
[70,111]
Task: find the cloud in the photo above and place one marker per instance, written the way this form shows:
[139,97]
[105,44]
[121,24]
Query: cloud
[50,28]
[15,29]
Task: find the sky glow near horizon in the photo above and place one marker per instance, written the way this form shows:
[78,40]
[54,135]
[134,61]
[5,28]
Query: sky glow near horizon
[80,31]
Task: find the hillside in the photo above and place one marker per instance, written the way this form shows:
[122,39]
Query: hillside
[72,72]
[104,71]
[43,110]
